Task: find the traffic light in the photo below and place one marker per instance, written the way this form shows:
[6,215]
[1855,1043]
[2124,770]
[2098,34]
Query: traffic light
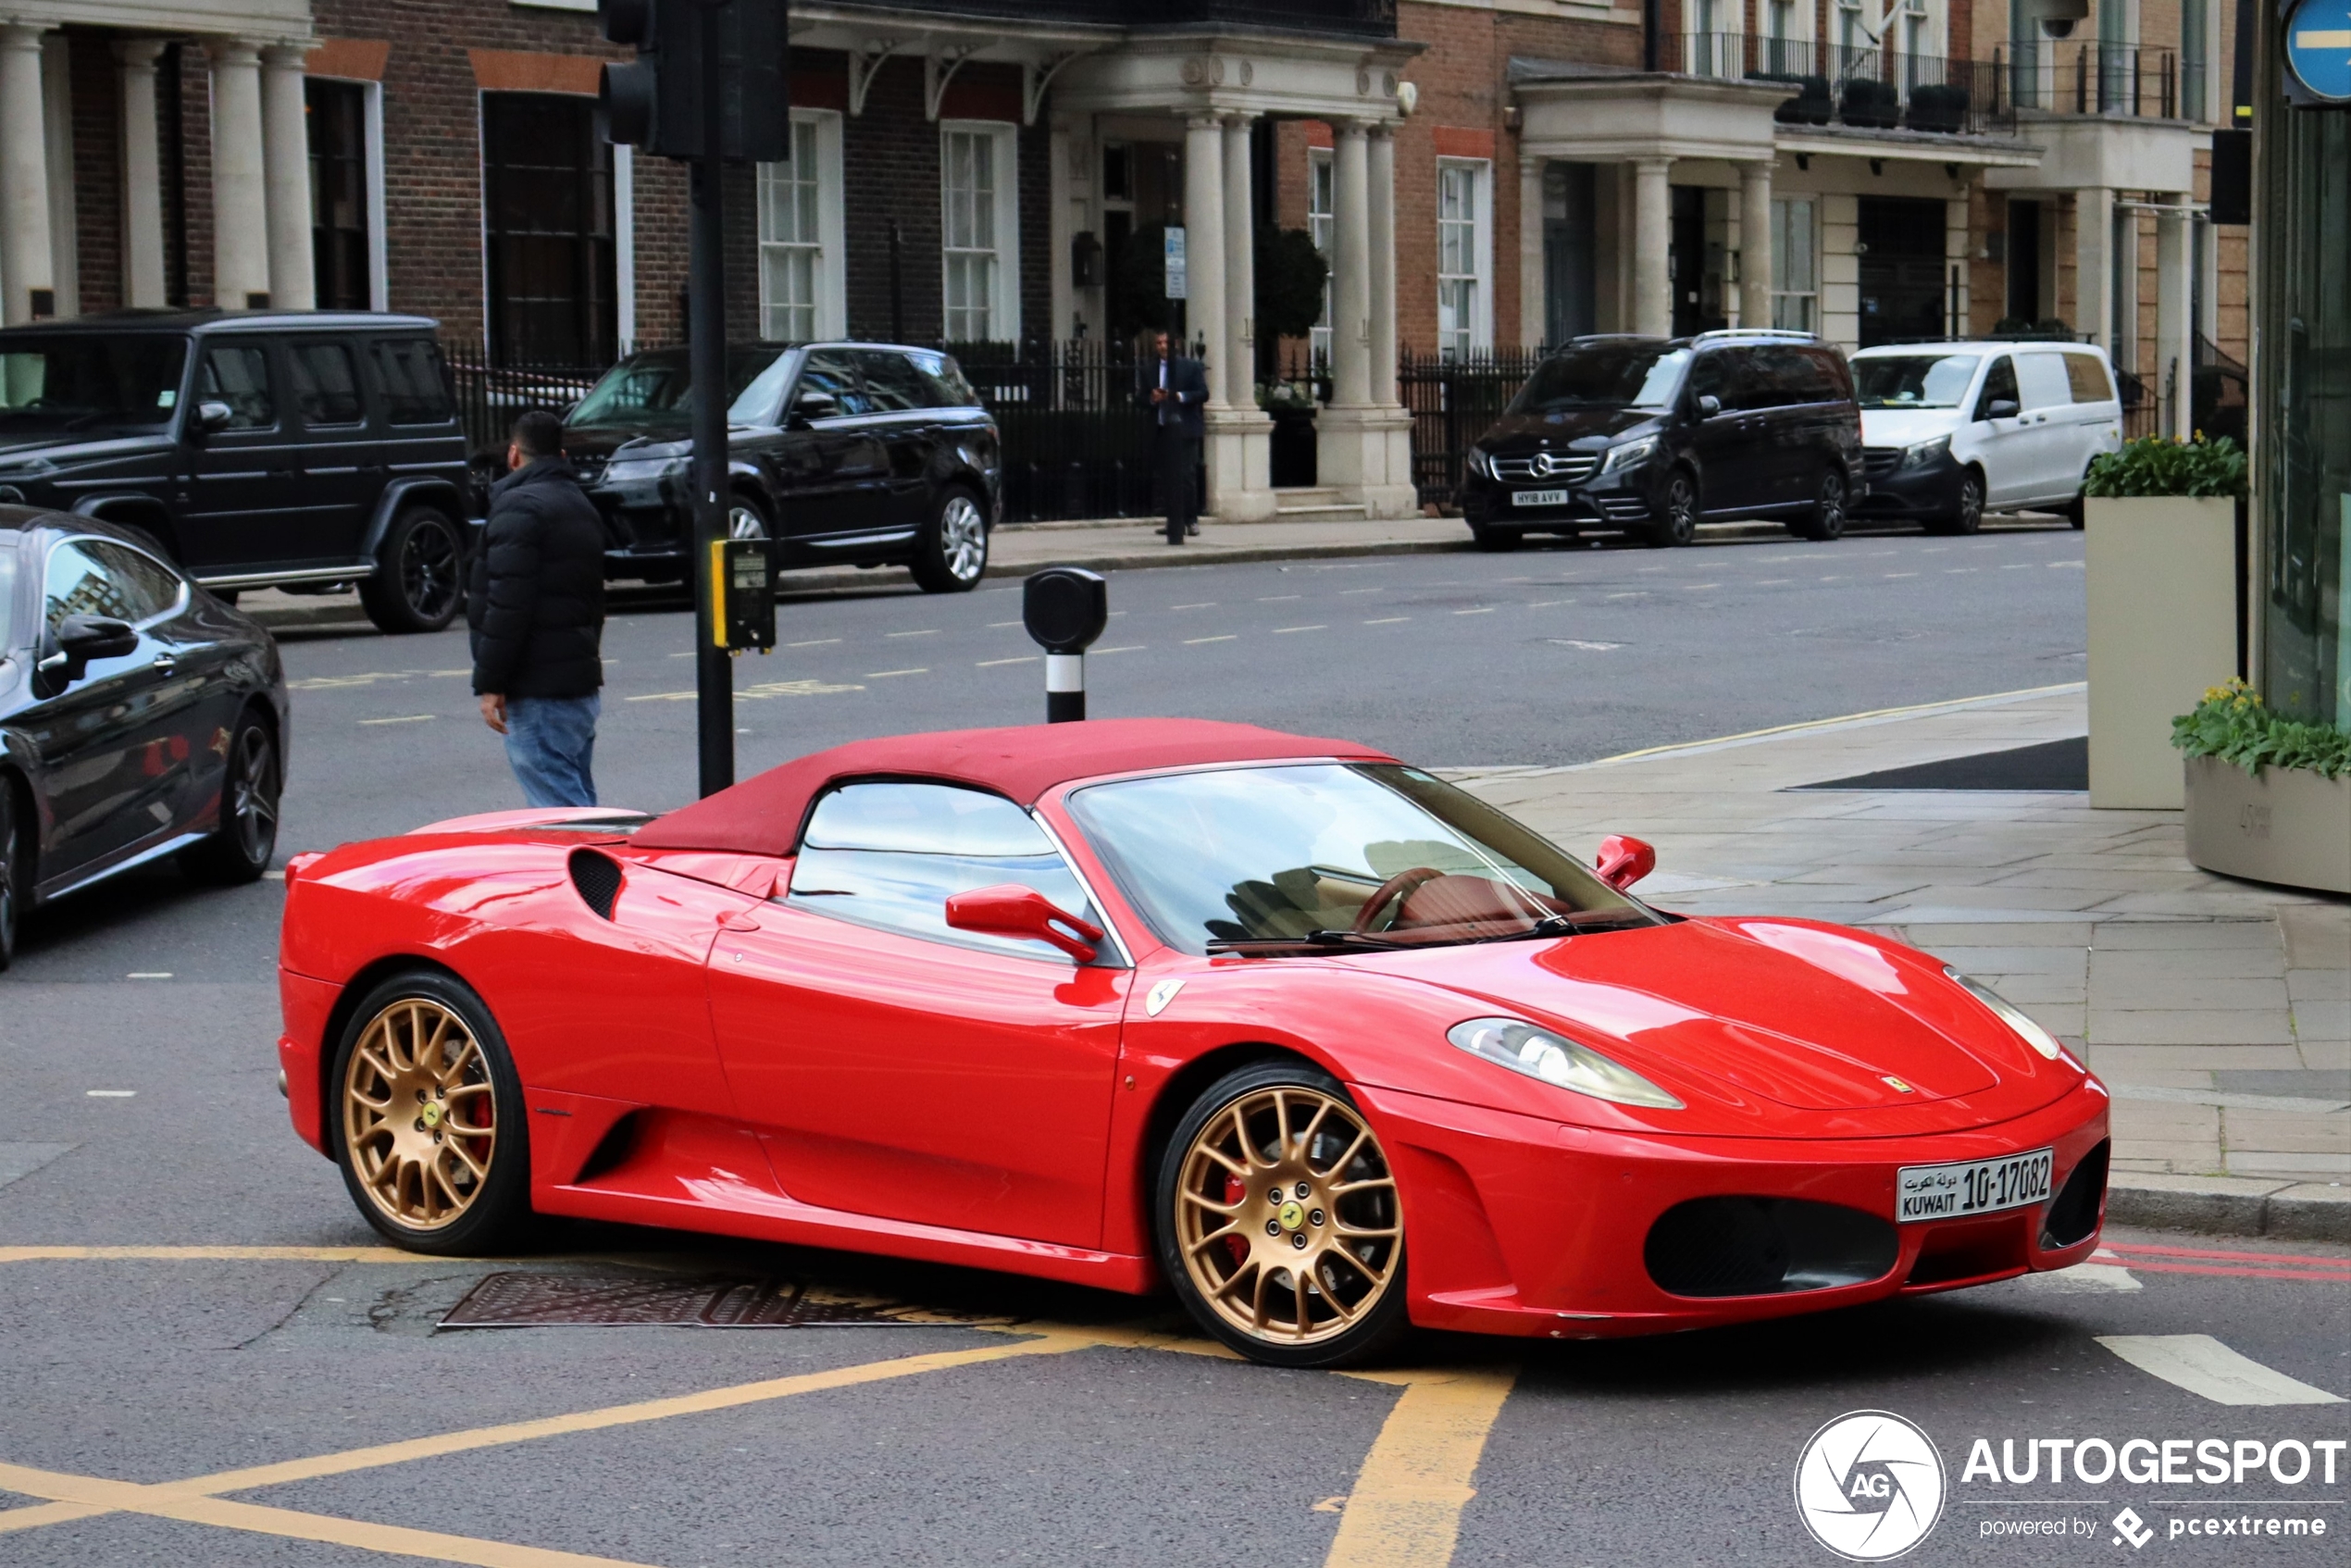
[657,101]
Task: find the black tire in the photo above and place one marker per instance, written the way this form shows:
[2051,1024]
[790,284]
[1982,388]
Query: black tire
[239,850]
[1826,520]
[1496,539]
[1966,515]
[419,581]
[952,555]
[2071,512]
[1676,523]
[1350,1332]
[493,1208]
[15,886]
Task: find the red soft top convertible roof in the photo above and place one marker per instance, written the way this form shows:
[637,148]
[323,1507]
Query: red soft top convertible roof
[764,815]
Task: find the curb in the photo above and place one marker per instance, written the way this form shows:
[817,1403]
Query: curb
[2232,1206]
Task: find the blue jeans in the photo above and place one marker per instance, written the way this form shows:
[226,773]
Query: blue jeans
[550,743]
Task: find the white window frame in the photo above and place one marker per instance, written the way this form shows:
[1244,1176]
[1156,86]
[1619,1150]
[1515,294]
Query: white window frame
[829,283]
[1479,327]
[1321,226]
[371,132]
[1799,309]
[1004,306]
[1715,50]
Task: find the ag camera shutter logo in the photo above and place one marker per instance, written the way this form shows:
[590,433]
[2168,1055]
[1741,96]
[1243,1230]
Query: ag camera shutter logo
[1869,1486]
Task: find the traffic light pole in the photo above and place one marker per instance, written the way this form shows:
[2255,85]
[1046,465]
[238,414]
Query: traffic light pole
[706,327]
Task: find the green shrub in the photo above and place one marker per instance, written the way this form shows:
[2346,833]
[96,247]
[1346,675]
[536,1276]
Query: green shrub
[1289,273]
[2152,466]
[2232,724]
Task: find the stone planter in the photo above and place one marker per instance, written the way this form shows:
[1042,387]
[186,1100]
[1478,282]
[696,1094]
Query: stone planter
[2161,595]
[2288,825]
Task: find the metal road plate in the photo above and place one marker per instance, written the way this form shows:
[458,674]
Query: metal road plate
[1971,1187]
[559,1300]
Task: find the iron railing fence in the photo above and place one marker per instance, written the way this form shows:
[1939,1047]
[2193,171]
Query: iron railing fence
[1452,399]
[1867,88]
[1077,424]
[1374,18]
[2089,76]
[491,394]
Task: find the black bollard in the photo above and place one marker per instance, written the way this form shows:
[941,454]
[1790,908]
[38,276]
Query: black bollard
[1064,609]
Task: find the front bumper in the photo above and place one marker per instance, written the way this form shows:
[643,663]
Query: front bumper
[1932,490]
[1525,1226]
[1624,500]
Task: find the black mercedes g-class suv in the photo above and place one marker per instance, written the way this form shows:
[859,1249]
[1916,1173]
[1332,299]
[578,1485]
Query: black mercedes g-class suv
[294,450]
[868,454]
[1652,435]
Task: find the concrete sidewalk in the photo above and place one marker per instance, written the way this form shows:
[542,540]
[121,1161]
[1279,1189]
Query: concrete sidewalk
[2219,1011]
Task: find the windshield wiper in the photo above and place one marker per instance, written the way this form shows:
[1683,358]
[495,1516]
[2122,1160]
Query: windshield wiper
[1311,939]
[1568,925]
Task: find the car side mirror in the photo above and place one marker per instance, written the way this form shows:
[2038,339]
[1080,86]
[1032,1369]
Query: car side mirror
[1012,910]
[1624,861]
[78,639]
[2001,408]
[1709,406]
[810,406]
[213,415]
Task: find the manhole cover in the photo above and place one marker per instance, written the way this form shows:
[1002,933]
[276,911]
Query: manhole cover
[559,1300]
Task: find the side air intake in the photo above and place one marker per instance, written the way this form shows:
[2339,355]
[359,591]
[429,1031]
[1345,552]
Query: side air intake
[597,877]
[1766,1246]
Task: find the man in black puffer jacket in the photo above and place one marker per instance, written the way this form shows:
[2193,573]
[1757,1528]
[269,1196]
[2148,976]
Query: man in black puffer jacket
[536,610]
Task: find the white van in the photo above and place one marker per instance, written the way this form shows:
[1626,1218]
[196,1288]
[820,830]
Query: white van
[1952,431]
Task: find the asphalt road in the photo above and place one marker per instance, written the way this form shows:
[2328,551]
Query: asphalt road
[139,1114]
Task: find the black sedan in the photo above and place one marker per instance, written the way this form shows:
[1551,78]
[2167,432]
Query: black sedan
[140,718]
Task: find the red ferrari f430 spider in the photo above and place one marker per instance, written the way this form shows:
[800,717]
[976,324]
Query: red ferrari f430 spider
[1304,1034]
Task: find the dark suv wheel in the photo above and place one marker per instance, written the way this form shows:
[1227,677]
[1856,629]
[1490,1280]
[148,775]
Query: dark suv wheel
[1966,506]
[419,574]
[952,555]
[1675,521]
[1826,520]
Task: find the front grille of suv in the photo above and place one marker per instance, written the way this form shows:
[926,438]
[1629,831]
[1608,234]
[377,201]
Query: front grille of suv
[1879,461]
[1571,468]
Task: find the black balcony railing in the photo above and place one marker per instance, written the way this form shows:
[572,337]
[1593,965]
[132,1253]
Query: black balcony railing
[1870,89]
[2086,76]
[1374,18]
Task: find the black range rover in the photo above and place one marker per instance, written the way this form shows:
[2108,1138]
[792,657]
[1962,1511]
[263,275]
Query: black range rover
[870,453]
[296,449]
[1652,435]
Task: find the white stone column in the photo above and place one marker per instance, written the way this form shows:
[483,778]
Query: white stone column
[1755,281]
[26,264]
[57,114]
[1351,267]
[1241,438]
[239,204]
[1534,301]
[1058,233]
[285,150]
[2093,238]
[1379,178]
[1205,245]
[2174,327]
[142,256]
[1652,243]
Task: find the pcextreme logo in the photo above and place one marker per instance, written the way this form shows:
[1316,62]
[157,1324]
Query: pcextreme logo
[1869,1486]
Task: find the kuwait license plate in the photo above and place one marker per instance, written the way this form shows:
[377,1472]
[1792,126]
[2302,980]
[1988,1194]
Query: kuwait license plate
[1972,1187]
[1538,498]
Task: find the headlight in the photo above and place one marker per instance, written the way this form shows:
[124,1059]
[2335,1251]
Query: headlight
[1926,451]
[1539,1053]
[629,470]
[1631,455]
[1478,464]
[2033,1034]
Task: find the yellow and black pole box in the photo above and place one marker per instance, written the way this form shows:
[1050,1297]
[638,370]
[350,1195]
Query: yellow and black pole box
[743,595]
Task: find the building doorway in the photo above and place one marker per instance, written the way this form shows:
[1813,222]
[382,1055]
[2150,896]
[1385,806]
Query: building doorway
[547,205]
[338,206]
[1571,251]
[1902,285]
[2024,261]
[1686,261]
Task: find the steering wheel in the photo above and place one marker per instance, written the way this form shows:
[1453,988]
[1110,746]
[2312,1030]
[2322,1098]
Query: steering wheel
[1399,886]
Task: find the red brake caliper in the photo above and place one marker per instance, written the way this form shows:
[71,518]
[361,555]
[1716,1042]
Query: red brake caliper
[1234,1244]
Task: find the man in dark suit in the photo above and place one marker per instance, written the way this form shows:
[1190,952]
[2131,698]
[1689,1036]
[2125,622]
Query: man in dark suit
[1178,396]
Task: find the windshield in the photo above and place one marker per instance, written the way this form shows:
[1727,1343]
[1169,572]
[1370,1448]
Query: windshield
[1379,852]
[89,380]
[1634,375]
[1913,380]
[648,390]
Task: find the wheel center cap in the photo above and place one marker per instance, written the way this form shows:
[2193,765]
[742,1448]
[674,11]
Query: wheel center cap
[431,1113]
[1291,1215]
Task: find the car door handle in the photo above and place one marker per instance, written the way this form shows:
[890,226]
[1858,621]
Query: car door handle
[166,663]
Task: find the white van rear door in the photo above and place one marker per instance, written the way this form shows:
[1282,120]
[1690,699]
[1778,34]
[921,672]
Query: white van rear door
[2047,468]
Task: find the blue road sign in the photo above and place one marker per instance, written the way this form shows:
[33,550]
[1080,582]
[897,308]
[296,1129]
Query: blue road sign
[2318,47]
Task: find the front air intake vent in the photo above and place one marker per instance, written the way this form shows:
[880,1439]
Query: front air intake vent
[2080,1204]
[597,877]
[1766,1246]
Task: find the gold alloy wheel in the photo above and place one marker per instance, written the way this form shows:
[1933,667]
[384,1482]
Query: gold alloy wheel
[419,1117]
[1287,1215]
